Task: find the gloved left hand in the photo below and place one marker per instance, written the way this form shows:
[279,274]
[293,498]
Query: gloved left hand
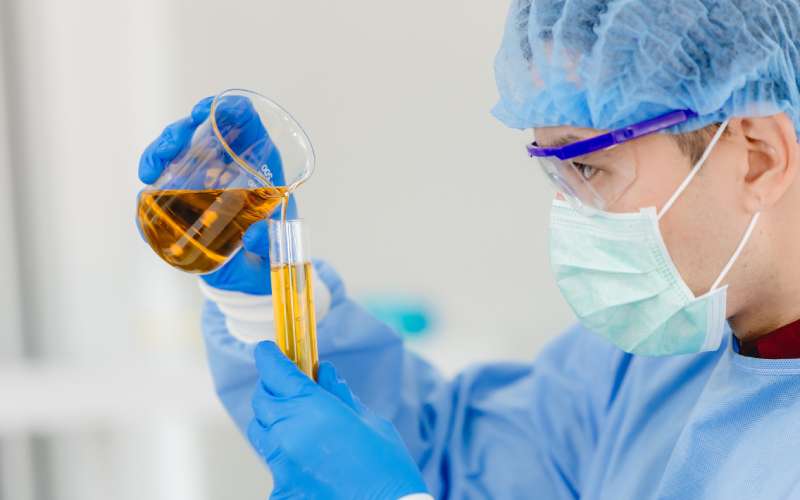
[320,441]
[248,270]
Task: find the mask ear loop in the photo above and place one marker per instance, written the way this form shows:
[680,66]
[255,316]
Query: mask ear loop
[735,256]
[694,171]
[747,234]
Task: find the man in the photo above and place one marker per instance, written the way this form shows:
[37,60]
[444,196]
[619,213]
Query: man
[670,129]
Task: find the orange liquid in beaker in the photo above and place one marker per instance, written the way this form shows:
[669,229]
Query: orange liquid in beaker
[197,231]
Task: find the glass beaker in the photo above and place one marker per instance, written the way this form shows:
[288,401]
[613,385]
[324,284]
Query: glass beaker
[292,294]
[242,161]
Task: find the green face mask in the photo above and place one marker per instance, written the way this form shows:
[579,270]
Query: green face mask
[616,273]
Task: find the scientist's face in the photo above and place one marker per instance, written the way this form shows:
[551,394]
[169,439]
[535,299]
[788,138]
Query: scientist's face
[707,222]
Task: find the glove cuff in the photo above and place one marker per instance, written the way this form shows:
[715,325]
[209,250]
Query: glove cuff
[249,318]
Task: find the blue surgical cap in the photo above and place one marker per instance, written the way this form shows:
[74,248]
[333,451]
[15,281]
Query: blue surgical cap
[605,64]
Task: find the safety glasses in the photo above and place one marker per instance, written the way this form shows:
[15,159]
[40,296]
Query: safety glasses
[590,172]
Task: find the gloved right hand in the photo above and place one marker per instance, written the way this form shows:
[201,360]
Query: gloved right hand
[320,441]
[248,270]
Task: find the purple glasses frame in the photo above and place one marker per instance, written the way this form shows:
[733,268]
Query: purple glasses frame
[613,138]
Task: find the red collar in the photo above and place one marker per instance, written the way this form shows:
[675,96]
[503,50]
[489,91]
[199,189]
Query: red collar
[783,343]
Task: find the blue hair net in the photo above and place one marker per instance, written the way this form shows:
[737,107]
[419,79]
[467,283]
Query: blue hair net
[605,64]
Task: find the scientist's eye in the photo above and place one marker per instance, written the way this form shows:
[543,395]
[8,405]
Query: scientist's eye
[586,171]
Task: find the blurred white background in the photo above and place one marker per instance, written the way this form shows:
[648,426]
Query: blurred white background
[104,391]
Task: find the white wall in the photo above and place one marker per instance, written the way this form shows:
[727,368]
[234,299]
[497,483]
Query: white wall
[10,301]
[417,190]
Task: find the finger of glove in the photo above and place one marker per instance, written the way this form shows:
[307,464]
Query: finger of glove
[241,125]
[328,379]
[279,376]
[234,110]
[201,109]
[244,272]
[270,410]
[262,441]
[164,149]
[256,238]
[171,142]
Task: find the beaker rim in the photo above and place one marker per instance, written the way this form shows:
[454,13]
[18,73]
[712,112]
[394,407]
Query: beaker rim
[242,162]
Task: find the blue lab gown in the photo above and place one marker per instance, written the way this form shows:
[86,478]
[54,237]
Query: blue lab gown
[584,420]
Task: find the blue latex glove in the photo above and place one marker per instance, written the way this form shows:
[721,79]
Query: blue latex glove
[248,270]
[320,441]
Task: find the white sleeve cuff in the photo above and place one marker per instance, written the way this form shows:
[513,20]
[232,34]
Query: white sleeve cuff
[417,496]
[249,318]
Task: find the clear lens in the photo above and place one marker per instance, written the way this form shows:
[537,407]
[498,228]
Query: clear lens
[597,180]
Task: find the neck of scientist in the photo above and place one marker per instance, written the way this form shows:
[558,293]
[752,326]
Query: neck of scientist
[769,284]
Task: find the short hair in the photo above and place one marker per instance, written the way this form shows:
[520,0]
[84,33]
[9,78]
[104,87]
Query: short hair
[694,144]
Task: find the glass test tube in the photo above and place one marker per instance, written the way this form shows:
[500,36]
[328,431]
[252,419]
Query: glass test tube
[292,294]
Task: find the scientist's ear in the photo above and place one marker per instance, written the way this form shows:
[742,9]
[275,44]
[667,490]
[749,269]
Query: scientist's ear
[773,154]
